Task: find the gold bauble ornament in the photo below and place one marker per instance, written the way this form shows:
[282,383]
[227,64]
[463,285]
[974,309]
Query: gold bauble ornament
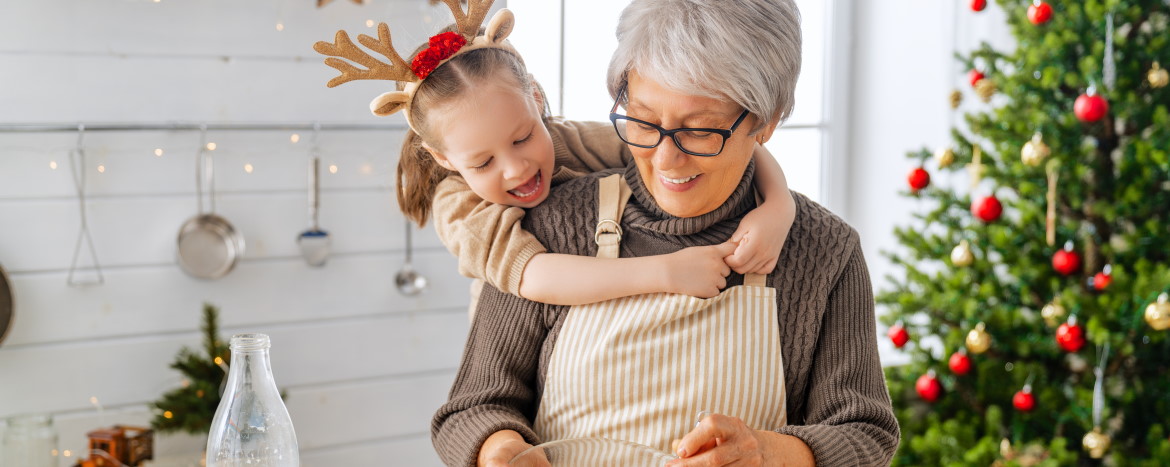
[1035,151]
[945,157]
[962,256]
[1158,314]
[1053,313]
[985,88]
[956,98]
[978,340]
[1096,443]
[1158,77]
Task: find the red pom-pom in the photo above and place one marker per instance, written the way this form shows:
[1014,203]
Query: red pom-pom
[1070,337]
[1039,13]
[978,5]
[1066,261]
[1024,401]
[928,387]
[975,76]
[987,209]
[960,363]
[1090,107]
[442,47]
[918,179]
[898,335]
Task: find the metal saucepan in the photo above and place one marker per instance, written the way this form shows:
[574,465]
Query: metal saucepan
[5,304]
[209,246]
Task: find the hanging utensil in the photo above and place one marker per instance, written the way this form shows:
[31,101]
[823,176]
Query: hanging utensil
[314,243]
[77,160]
[6,304]
[208,245]
[409,281]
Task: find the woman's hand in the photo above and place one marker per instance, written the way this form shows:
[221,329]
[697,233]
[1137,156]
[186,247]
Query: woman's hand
[698,271]
[761,235]
[502,446]
[719,440]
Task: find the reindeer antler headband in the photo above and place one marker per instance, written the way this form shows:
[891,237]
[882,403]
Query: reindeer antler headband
[443,47]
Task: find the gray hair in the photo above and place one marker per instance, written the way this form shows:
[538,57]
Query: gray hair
[747,51]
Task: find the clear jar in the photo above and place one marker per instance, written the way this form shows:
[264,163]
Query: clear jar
[30,441]
[251,427]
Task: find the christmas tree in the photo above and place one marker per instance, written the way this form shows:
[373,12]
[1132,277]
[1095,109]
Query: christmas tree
[1028,298]
[190,407]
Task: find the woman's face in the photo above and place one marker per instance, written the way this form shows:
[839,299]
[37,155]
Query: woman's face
[495,138]
[682,184]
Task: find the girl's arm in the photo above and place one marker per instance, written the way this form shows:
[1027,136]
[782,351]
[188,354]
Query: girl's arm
[485,237]
[490,244]
[585,147]
[762,232]
[575,280]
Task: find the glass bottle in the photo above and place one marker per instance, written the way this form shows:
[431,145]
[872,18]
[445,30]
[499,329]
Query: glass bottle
[251,426]
[30,441]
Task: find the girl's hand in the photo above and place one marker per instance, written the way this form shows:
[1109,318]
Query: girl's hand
[698,271]
[502,446]
[719,440]
[761,236]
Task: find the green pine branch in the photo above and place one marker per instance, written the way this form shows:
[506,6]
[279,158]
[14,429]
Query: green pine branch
[191,407]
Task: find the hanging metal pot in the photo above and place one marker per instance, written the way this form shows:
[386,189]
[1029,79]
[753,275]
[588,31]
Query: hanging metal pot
[5,304]
[209,246]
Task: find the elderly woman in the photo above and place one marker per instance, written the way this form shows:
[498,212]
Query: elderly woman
[783,367]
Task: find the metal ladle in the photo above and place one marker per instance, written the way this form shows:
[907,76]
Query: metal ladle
[409,281]
[314,242]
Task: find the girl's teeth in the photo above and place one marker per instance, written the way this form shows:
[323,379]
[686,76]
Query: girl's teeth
[525,195]
[680,181]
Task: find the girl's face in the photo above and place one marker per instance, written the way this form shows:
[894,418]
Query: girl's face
[495,138]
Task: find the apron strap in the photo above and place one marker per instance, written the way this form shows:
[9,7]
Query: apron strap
[613,193]
[755,280]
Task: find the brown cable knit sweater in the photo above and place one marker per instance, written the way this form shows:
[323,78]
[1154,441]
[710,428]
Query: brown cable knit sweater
[837,399]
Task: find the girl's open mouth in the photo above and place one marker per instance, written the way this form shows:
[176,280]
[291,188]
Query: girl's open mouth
[530,190]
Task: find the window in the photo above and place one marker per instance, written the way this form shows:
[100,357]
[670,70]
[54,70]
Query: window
[567,45]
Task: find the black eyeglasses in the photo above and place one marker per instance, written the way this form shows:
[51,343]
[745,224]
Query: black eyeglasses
[703,142]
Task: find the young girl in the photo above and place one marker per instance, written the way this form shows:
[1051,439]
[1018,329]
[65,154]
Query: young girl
[482,150]
[488,128]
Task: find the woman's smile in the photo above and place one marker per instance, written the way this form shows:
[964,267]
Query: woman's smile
[679,184]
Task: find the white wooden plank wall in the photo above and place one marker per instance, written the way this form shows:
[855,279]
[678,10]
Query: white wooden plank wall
[364,366]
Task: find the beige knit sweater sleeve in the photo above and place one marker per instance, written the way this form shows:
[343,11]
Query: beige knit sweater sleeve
[486,237]
[585,147]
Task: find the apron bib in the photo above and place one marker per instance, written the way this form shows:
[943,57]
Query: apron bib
[641,368]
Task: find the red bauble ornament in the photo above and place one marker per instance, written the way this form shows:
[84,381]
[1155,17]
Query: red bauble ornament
[1066,261]
[1102,280]
[898,335]
[918,179]
[1024,401]
[928,387]
[1090,107]
[987,209]
[1070,336]
[1039,12]
[960,363]
[978,5]
[975,76]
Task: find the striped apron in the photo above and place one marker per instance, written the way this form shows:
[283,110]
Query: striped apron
[642,368]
